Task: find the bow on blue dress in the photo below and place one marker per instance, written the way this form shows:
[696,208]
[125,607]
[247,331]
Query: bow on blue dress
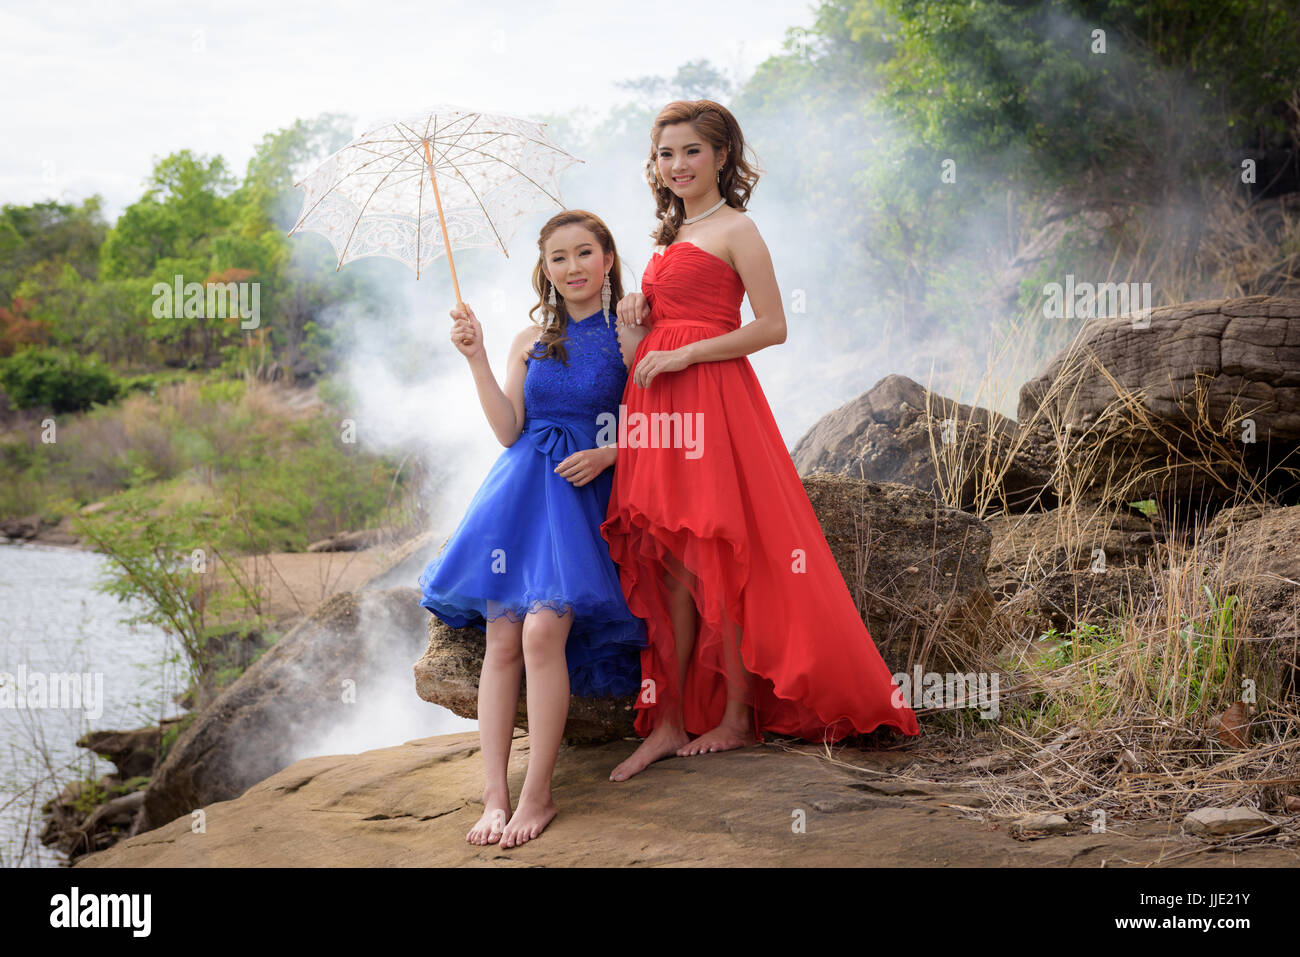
[557,439]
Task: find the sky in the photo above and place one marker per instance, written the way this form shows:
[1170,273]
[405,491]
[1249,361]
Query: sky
[96,92]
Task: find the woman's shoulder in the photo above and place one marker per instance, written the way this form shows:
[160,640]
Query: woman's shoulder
[524,342]
[738,224]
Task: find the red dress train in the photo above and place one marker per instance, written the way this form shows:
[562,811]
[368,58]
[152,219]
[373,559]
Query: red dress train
[704,475]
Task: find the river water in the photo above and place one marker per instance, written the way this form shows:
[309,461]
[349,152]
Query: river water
[53,620]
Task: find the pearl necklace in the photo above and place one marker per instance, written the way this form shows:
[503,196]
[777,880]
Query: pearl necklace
[695,219]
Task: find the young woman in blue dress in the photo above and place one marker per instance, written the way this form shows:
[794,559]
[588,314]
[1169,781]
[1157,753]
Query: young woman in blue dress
[528,564]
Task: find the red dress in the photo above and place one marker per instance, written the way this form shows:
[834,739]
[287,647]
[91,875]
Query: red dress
[712,483]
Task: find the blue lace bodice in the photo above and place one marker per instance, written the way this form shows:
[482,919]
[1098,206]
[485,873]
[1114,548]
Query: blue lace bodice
[591,383]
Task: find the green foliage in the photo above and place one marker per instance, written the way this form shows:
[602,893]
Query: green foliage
[48,233]
[1085,641]
[1030,79]
[879,95]
[187,201]
[161,559]
[44,377]
[90,796]
[1207,638]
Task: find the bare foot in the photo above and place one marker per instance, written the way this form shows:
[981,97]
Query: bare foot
[491,824]
[530,819]
[727,736]
[662,742]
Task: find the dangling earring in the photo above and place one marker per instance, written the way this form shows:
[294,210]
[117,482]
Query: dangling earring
[605,293]
[553,314]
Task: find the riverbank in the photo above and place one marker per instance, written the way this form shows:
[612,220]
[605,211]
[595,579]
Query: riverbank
[91,809]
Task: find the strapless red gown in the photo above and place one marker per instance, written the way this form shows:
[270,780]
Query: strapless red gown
[728,503]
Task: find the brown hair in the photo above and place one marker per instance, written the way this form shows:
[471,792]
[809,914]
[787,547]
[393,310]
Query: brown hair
[719,128]
[552,340]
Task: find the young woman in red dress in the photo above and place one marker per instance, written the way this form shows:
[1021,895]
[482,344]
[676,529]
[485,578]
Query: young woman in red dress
[751,626]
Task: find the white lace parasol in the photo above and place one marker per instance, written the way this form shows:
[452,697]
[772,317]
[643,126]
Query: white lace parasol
[411,188]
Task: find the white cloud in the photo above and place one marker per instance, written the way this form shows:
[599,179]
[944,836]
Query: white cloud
[95,92]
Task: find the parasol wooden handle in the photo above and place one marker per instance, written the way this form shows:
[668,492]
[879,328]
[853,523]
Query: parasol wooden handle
[446,243]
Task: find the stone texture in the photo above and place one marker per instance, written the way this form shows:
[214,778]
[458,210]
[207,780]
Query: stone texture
[1223,822]
[899,431]
[1190,379]
[293,690]
[411,806]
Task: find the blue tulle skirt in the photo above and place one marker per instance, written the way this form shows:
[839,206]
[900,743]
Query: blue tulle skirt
[531,540]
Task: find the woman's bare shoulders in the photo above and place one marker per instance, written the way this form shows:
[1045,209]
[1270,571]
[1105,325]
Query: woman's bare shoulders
[722,240]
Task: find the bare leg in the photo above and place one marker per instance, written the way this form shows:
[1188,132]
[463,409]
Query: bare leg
[670,734]
[545,634]
[498,700]
[736,729]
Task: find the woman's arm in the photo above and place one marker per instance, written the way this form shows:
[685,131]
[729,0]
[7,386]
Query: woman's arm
[504,408]
[629,337]
[754,265]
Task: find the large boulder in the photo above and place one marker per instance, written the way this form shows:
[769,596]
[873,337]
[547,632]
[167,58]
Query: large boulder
[1187,404]
[916,570]
[293,692]
[899,431]
[447,674]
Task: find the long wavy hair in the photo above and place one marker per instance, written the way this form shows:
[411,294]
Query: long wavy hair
[717,127]
[552,340]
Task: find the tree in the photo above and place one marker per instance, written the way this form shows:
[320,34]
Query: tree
[186,202]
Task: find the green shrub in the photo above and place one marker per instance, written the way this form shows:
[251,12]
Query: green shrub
[57,379]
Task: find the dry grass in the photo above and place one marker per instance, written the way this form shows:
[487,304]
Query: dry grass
[1119,719]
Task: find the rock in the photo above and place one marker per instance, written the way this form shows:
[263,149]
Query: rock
[1221,822]
[1054,569]
[294,691]
[892,432]
[21,529]
[410,806]
[134,752]
[874,529]
[1030,826]
[1200,378]
[349,541]
[989,762]
[448,674]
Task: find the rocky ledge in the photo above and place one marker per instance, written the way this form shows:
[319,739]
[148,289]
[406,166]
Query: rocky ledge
[779,804]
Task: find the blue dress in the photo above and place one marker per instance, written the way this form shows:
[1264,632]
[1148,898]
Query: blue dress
[530,539]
